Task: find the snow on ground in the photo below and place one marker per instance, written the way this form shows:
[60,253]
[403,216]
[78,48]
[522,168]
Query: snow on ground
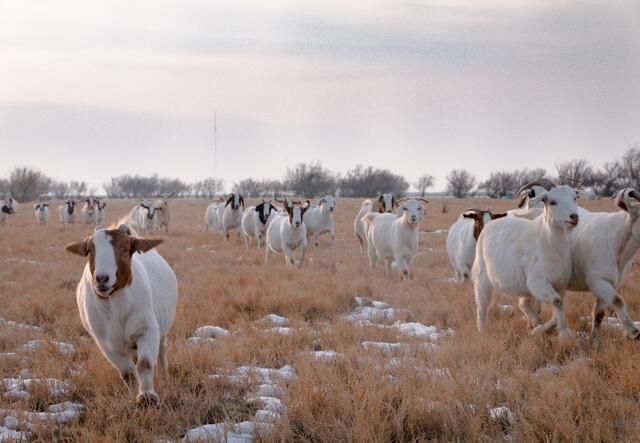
[66,349]
[16,325]
[610,322]
[275,320]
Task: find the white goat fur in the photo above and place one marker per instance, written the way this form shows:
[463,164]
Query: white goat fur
[132,323]
[319,219]
[252,226]
[527,259]
[394,239]
[384,203]
[232,215]
[63,211]
[287,233]
[211,220]
[41,213]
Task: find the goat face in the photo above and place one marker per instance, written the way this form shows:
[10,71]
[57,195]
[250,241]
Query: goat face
[151,210]
[480,219]
[560,206]
[110,252]
[386,203]
[328,202]
[71,206]
[413,211]
[235,200]
[41,206]
[629,201]
[7,208]
[295,215]
[264,210]
[529,195]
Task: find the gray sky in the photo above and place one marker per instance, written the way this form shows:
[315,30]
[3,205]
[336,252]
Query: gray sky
[92,89]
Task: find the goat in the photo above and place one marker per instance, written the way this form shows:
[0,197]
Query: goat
[127,300]
[286,233]
[385,203]
[529,259]
[255,221]
[9,207]
[41,213]
[319,218]
[211,219]
[88,210]
[99,213]
[67,213]
[147,217]
[162,206]
[395,239]
[602,248]
[232,214]
[528,207]
[462,238]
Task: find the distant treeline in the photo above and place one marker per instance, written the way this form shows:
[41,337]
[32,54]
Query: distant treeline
[312,179]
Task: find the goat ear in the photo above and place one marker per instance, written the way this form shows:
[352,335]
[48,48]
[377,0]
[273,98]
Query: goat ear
[470,214]
[523,199]
[496,216]
[79,248]
[143,244]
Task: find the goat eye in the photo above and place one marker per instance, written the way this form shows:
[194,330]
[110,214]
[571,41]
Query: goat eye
[553,203]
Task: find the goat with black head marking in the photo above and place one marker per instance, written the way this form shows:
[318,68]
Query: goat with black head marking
[67,213]
[8,207]
[41,213]
[146,217]
[99,214]
[127,300]
[255,221]
[384,203]
[462,238]
[319,218]
[287,233]
[232,215]
[529,207]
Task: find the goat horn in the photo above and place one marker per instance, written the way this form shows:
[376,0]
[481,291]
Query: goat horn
[542,182]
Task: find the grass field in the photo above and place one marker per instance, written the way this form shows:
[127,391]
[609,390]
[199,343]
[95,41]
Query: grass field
[406,392]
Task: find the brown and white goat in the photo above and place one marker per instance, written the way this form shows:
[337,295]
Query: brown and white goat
[127,300]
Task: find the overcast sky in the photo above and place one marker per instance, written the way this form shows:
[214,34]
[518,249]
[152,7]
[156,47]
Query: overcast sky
[92,89]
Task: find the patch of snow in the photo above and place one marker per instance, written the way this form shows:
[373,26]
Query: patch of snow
[25,260]
[198,341]
[211,332]
[66,349]
[368,313]
[324,356]
[11,435]
[16,325]
[439,231]
[275,319]
[502,414]
[16,387]
[281,331]
[505,309]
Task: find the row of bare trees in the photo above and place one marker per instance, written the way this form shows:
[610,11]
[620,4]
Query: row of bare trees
[312,179]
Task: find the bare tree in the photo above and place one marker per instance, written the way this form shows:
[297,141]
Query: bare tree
[576,173]
[424,182]
[60,189]
[608,180]
[367,182]
[310,179]
[248,187]
[26,184]
[501,184]
[631,168]
[460,182]
[208,188]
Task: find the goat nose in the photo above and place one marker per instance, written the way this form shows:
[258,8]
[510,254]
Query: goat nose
[574,217]
[102,279]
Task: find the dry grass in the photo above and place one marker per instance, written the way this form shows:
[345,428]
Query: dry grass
[594,397]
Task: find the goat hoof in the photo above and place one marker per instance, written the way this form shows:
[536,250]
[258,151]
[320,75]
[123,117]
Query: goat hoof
[148,399]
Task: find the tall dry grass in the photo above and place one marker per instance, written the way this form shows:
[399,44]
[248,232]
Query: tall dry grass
[594,396]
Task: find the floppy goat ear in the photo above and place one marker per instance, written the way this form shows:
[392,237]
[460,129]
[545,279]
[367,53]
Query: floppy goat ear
[496,216]
[79,248]
[471,214]
[143,244]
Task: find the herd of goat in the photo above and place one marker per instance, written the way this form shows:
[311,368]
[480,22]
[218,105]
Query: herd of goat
[546,246]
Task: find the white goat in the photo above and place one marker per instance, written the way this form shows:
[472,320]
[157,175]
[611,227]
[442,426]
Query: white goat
[211,220]
[319,218]
[127,301]
[163,214]
[385,203]
[9,207]
[232,214]
[286,233]
[255,221]
[88,211]
[602,248]
[146,217]
[99,215]
[462,238]
[529,258]
[529,207]
[67,213]
[41,213]
[395,239]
